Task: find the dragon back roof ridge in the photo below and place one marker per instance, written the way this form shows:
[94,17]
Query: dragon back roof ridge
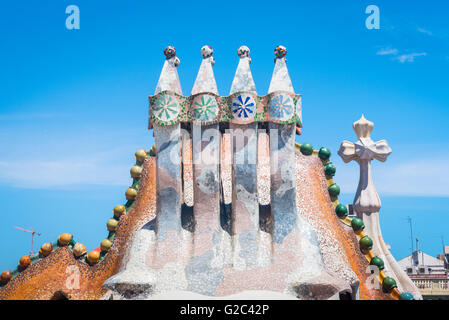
[301,245]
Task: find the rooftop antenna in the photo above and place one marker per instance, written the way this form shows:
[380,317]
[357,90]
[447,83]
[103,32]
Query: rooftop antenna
[411,236]
[444,253]
[411,230]
[32,236]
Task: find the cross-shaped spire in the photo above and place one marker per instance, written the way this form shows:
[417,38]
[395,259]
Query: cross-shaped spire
[363,151]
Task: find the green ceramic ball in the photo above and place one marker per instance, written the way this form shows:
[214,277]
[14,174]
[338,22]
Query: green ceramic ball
[341,210]
[366,243]
[306,149]
[378,262]
[324,154]
[334,190]
[389,284]
[330,169]
[357,224]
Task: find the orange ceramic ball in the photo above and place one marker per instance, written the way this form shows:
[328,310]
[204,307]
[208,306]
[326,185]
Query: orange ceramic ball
[105,245]
[79,249]
[136,171]
[112,224]
[131,194]
[64,239]
[141,155]
[93,257]
[46,249]
[24,262]
[119,210]
[5,277]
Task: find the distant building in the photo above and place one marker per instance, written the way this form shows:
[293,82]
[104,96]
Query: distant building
[430,275]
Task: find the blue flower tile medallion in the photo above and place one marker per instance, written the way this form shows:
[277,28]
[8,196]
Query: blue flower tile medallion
[243,106]
[281,107]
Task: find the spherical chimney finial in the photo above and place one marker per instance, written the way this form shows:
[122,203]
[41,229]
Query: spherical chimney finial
[280,52]
[169,52]
[243,51]
[207,51]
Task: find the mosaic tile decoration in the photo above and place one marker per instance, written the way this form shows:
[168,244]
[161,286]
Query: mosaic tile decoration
[169,108]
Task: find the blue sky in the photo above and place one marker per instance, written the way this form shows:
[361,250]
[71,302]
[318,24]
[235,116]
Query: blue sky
[73,103]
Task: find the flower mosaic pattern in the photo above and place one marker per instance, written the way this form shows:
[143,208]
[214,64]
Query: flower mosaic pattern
[243,106]
[205,108]
[166,108]
[281,107]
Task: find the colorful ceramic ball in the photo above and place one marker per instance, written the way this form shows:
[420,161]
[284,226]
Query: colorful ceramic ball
[131,194]
[406,296]
[169,52]
[243,51]
[46,249]
[378,262]
[79,249]
[135,172]
[93,257]
[141,155]
[207,51]
[341,210]
[105,245]
[5,277]
[357,224]
[389,284]
[64,239]
[306,149]
[119,210]
[324,154]
[334,190]
[330,169]
[24,262]
[112,224]
[366,243]
[280,52]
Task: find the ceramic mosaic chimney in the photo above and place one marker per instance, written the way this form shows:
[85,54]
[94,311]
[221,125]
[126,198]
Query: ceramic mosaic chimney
[226,205]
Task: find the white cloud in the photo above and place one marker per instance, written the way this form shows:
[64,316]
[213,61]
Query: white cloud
[410,57]
[422,30]
[387,51]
